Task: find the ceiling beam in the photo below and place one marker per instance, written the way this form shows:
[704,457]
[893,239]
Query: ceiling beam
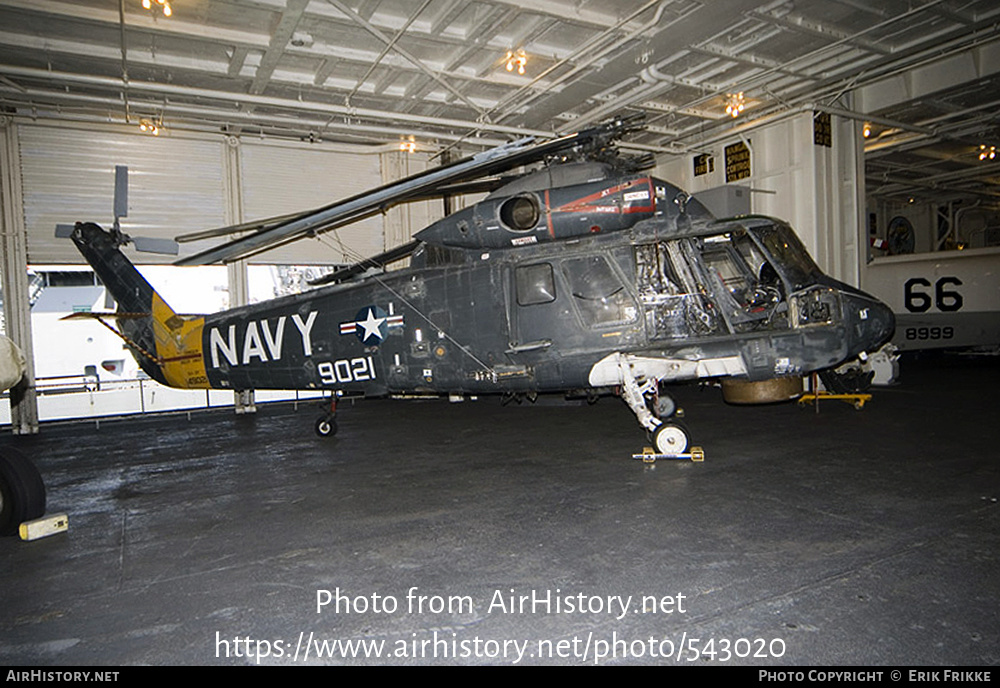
[386,49]
[447,15]
[930,78]
[361,21]
[236,62]
[138,19]
[276,46]
[242,99]
[805,26]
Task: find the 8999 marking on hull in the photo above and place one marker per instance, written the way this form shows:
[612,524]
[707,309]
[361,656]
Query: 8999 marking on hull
[924,333]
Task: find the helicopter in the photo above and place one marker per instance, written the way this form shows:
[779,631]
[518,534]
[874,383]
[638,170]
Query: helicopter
[585,276]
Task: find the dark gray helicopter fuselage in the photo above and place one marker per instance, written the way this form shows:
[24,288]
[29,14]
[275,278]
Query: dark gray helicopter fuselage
[583,276]
[571,289]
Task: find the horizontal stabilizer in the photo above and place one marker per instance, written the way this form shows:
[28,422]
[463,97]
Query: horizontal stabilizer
[90,315]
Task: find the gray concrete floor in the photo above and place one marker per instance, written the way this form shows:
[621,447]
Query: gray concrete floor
[847,537]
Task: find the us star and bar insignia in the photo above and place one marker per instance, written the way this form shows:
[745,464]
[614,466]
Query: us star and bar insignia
[372,324]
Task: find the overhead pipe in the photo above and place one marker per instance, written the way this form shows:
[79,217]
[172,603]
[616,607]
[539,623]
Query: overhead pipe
[267,101]
[296,126]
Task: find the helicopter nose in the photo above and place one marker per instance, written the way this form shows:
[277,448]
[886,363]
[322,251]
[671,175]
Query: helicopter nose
[885,321]
[873,323]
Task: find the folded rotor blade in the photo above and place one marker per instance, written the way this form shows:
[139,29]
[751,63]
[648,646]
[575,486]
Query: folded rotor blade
[378,261]
[252,226]
[493,161]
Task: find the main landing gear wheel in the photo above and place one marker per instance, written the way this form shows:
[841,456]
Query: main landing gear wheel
[670,438]
[22,492]
[326,426]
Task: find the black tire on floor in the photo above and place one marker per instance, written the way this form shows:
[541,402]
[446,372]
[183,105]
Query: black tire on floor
[326,426]
[22,492]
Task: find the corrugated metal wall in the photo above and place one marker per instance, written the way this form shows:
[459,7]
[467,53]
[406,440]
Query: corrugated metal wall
[285,178]
[177,185]
[68,175]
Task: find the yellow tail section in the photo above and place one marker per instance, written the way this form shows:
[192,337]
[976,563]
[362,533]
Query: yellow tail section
[178,346]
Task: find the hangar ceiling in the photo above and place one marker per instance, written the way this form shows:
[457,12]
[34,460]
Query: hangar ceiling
[925,73]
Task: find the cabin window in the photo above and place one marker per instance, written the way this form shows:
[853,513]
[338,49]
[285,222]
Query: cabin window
[535,284]
[436,256]
[598,292]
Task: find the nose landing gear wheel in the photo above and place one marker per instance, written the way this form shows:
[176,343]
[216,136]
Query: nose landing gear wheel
[670,438]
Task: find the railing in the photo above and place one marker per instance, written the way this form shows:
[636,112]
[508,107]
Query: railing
[67,397]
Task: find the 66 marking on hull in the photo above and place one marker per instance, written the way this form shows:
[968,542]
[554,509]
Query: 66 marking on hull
[346,370]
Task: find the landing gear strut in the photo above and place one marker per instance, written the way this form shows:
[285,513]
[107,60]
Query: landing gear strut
[326,425]
[669,436]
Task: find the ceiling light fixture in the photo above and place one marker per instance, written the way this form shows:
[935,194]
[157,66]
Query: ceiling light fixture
[519,58]
[735,104]
[987,153]
[866,131]
[150,127]
[148,5]
[408,144]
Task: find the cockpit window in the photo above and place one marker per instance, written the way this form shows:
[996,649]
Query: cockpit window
[748,249]
[745,285]
[598,292]
[789,253]
[730,271]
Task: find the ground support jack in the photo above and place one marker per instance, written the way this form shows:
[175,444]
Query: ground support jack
[814,396]
[650,455]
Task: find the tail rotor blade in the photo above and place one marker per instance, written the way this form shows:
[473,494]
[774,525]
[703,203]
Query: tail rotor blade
[121,191]
[152,245]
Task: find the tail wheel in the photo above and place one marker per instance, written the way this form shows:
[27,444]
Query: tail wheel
[326,426]
[670,438]
[22,492]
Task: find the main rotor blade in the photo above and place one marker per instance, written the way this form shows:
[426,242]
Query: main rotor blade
[493,161]
[378,261]
[251,226]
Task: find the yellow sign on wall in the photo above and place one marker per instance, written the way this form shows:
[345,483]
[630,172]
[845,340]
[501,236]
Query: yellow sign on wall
[822,129]
[737,162]
[703,164]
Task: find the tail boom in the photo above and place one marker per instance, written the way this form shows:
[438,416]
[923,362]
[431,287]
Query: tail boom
[167,346]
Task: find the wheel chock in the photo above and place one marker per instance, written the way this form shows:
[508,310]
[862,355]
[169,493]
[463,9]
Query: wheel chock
[44,527]
[649,455]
